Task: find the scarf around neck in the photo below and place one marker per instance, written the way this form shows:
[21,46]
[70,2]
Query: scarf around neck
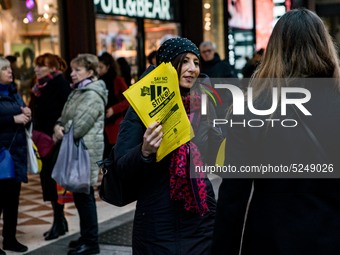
[42,82]
[192,190]
[83,83]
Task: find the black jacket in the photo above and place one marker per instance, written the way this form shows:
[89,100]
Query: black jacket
[286,216]
[161,225]
[9,107]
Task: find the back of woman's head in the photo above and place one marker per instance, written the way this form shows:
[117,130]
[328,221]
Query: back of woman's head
[51,61]
[300,46]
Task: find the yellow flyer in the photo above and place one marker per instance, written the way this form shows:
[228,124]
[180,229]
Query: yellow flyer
[156,97]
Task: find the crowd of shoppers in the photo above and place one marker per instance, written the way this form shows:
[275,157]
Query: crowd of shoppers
[176,213]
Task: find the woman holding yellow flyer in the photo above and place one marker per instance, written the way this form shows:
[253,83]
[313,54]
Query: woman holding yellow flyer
[175,206]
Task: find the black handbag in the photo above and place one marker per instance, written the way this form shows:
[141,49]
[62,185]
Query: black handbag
[113,189]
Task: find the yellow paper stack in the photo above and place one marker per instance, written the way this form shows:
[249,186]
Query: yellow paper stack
[156,97]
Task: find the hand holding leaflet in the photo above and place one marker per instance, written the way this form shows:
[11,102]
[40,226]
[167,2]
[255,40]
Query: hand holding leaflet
[156,97]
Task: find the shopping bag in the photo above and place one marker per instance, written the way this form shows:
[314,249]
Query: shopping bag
[72,168]
[113,189]
[43,142]
[64,196]
[6,164]
[34,163]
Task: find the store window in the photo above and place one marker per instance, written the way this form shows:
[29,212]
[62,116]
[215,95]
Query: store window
[118,23]
[156,32]
[28,28]
[117,35]
[213,24]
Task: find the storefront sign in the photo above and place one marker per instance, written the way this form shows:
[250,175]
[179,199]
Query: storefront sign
[150,9]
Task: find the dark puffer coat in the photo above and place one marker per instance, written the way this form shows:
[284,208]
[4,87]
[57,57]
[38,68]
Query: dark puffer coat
[161,225]
[9,107]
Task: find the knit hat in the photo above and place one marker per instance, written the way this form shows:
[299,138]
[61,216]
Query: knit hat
[173,47]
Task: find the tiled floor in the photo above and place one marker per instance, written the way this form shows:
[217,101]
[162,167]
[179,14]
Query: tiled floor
[36,216]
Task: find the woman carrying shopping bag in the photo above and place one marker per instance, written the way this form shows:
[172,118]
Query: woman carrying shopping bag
[85,111]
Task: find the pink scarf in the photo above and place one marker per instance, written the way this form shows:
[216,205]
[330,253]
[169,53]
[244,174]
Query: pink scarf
[191,190]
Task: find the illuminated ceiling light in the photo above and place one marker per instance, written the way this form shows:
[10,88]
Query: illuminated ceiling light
[207,19]
[30,4]
[46,7]
[54,19]
[45,15]
[25,20]
[207,6]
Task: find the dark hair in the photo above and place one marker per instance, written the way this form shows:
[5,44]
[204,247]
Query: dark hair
[51,61]
[11,58]
[260,52]
[27,52]
[108,60]
[125,70]
[151,56]
[177,62]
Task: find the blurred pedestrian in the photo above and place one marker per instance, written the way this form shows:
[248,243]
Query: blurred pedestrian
[152,58]
[218,70]
[211,63]
[85,111]
[174,213]
[286,216]
[48,98]
[117,104]
[14,115]
[125,70]
[251,65]
[27,74]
